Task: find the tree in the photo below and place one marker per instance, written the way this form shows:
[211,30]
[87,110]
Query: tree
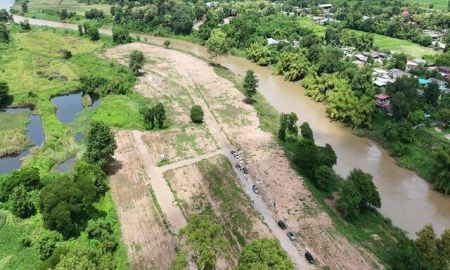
[167,43]
[85,172]
[5,98]
[405,255]
[283,127]
[431,94]
[368,191]
[206,238]
[80,29]
[100,144]
[416,117]
[182,21]
[4,15]
[24,7]
[291,124]
[292,65]
[21,203]
[136,62]
[91,31]
[65,205]
[327,156]
[120,34]
[306,131]
[399,61]
[160,114]
[443,115]
[325,178]
[250,84]
[149,117]
[306,156]
[29,178]
[350,199]
[441,156]
[264,254]
[4,33]
[259,54]
[217,43]
[25,25]
[197,114]
[404,98]
[428,245]
[329,60]
[46,243]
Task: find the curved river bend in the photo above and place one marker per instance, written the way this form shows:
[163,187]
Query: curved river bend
[408,200]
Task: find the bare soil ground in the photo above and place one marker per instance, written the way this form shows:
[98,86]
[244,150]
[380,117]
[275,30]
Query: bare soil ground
[150,245]
[280,185]
[196,189]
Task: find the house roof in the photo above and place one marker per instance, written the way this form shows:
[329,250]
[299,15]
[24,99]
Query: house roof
[444,68]
[326,5]
[382,96]
[423,81]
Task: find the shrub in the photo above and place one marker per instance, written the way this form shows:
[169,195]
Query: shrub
[66,54]
[197,114]
[46,243]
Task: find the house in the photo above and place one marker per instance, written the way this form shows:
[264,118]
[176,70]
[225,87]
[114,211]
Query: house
[381,82]
[420,62]
[444,70]
[410,65]
[435,36]
[326,7]
[361,58]
[442,84]
[272,42]
[397,73]
[382,101]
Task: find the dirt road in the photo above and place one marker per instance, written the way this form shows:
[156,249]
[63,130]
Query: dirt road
[163,194]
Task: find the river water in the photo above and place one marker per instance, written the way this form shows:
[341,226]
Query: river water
[407,199]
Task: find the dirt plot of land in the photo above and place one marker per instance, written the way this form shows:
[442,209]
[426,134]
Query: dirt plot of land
[179,144]
[149,243]
[212,183]
[280,185]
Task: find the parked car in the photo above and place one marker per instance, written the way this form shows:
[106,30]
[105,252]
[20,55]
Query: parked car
[282,225]
[255,189]
[238,166]
[309,257]
[245,170]
[291,236]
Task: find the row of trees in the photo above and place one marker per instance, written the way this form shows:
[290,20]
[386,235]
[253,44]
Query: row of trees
[207,240]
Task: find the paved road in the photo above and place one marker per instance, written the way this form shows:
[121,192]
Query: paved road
[165,196]
[162,191]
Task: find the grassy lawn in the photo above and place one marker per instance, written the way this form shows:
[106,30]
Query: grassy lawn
[438,4]
[383,42]
[13,129]
[46,9]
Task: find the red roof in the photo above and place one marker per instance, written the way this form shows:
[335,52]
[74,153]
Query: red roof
[381,96]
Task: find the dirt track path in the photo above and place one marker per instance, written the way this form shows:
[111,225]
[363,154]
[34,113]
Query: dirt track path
[189,161]
[163,194]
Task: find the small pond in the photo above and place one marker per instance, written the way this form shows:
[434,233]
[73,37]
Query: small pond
[69,106]
[66,166]
[36,134]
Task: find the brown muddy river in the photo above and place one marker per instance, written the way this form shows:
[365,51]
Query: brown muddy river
[407,199]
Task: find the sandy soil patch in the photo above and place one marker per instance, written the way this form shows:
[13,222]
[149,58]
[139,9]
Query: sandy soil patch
[149,243]
[280,185]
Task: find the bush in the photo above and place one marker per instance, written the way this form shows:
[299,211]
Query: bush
[398,149]
[167,43]
[66,54]
[326,179]
[5,97]
[91,84]
[100,144]
[137,60]
[120,35]
[4,33]
[196,114]
[46,243]
[21,203]
[118,85]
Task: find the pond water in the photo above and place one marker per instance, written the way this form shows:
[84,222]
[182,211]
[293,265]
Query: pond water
[6,4]
[36,134]
[68,106]
[66,166]
[79,136]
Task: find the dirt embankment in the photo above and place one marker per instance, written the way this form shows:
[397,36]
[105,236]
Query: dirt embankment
[280,185]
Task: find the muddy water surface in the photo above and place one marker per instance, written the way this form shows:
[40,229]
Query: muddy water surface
[407,198]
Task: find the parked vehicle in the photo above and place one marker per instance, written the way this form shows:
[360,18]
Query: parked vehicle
[309,257]
[245,170]
[255,189]
[238,166]
[291,236]
[282,225]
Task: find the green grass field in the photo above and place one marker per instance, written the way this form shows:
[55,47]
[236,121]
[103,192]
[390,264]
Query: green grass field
[37,8]
[382,42]
[13,136]
[437,4]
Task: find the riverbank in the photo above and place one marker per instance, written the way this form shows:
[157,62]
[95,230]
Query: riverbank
[370,230]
